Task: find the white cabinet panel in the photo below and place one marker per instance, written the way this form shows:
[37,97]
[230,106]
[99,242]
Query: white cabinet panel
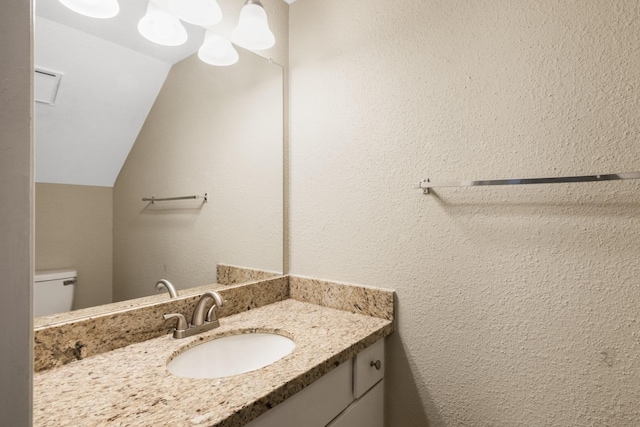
[367,371]
[368,411]
[314,406]
[331,400]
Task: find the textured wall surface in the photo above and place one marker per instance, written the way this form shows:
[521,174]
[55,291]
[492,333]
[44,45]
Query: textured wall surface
[215,130]
[517,306]
[74,229]
[16,213]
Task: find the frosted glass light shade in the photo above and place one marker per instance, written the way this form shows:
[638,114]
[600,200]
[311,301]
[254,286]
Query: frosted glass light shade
[217,51]
[94,8]
[161,27]
[198,12]
[253,30]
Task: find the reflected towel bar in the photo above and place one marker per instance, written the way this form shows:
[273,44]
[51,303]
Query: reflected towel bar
[154,199]
[426,184]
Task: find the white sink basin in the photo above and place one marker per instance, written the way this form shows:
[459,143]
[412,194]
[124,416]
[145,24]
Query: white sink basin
[231,355]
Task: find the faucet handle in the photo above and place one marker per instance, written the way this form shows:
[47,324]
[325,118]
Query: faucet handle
[182,322]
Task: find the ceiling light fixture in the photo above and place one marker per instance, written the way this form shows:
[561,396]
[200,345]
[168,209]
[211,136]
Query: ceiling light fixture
[217,51]
[253,31]
[162,27]
[101,9]
[198,12]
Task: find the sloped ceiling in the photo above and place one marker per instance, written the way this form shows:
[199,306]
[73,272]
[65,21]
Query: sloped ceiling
[111,77]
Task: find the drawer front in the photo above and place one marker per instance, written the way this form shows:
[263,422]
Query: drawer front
[314,406]
[366,369]
[367,411]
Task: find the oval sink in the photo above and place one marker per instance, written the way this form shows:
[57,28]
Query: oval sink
[231,355]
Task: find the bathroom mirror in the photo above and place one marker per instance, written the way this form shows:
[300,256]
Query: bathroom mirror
[131,120]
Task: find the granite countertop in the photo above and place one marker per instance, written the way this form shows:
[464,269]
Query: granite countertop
[85,313]
[131,386]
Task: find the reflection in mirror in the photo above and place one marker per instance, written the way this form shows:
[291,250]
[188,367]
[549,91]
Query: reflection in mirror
[127,123]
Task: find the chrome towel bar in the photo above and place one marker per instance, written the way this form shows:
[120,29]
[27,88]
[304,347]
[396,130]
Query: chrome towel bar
[154,199]
[426,184]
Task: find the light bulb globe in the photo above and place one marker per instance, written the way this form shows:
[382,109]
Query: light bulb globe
[198,12]
[161,27]
[217,51]
[252,31]
[101,9]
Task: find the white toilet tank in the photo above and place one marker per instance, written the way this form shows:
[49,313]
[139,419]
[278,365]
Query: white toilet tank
[53,291]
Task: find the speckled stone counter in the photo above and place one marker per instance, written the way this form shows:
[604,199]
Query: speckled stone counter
[234,275]
[77,336]
[131,386]
[84,313]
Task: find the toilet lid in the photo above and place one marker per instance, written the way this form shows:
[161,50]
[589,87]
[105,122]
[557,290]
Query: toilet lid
[48,275]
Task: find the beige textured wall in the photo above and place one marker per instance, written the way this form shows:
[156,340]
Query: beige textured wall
[517,306]
[16,213]
[74,229]
[216,130]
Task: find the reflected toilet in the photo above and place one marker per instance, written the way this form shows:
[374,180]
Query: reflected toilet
[53,291]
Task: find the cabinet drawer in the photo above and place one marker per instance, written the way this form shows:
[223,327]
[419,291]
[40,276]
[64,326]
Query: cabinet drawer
[365,368]
[314,406]
[368,411]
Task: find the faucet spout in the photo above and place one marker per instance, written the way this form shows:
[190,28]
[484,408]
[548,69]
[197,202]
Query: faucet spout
[164,283]
[199,322]
[201,308]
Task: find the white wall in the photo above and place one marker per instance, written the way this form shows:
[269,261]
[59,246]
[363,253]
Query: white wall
[16,214]
[517,306]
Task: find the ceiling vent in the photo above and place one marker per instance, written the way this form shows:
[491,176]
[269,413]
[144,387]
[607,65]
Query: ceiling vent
[46,85]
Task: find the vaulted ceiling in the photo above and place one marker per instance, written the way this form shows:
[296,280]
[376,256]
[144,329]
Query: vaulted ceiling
[110,79]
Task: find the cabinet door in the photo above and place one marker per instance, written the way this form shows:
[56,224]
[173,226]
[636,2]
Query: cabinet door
[368,368]
[368,411]
[314,406]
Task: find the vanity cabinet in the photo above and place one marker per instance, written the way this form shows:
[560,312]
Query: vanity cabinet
[351,395]
[368,411]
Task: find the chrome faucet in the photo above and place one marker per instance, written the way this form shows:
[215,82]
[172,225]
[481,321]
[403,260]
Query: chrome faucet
[199,322]
[212,315]
[164,283]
